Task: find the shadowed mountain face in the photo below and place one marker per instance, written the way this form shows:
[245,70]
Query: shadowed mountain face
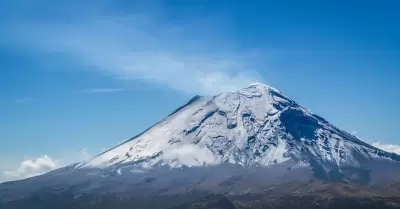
[251,141]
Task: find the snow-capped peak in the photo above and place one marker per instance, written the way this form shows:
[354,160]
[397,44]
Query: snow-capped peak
[257,125]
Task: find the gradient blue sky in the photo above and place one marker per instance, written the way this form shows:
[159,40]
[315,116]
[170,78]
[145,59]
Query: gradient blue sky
[80,76]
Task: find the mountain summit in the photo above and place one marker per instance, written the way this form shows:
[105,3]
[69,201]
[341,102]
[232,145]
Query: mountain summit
[246,141]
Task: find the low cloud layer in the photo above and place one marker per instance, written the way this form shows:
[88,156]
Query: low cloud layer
[190,155]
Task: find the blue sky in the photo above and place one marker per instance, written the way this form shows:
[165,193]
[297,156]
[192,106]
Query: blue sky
[80,76]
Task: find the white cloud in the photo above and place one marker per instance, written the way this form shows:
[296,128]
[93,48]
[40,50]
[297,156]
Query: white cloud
[31,167]
[393,148]
[102,90]
[140,48]
[190,155]
[387,147]
[40,165]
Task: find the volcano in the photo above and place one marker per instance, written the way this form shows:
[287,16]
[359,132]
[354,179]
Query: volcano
[251,141]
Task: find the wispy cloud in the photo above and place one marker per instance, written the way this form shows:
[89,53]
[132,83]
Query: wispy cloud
[394,148]
[102,90]
[24,99]
[182,57]
[84,154]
